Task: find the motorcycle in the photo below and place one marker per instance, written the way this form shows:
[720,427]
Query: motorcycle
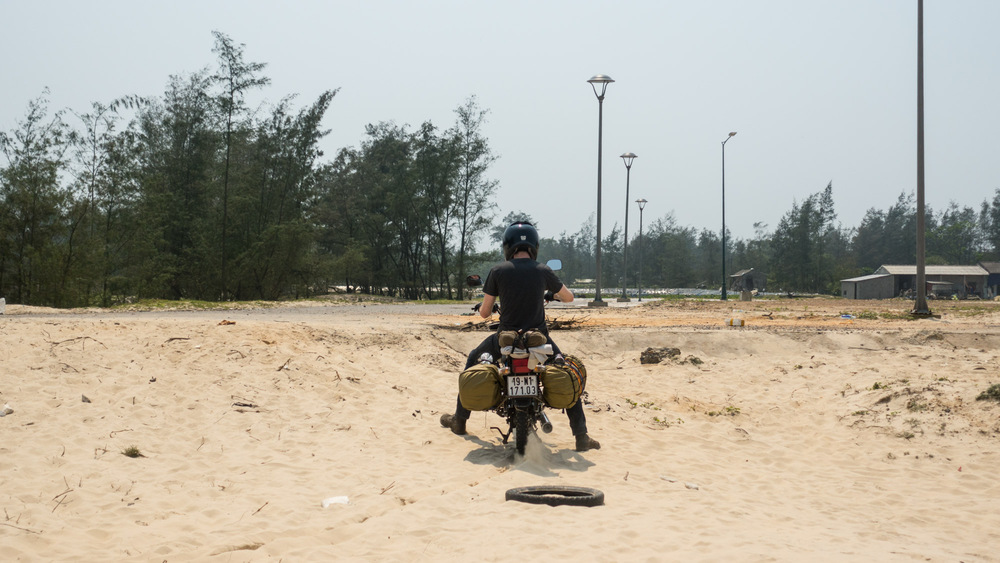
[524,358]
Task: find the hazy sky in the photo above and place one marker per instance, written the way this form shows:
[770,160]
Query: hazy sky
[818,91]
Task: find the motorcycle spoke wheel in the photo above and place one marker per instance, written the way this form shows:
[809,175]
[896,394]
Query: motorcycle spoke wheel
[555,495]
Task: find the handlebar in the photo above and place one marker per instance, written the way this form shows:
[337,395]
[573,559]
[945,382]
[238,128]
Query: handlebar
[477,306]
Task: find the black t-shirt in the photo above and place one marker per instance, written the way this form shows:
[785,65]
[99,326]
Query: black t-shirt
[520,283]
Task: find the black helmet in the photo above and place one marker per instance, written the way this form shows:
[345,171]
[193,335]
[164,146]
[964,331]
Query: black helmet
[520,236]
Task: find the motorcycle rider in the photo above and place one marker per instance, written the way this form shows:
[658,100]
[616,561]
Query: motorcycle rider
[518,282]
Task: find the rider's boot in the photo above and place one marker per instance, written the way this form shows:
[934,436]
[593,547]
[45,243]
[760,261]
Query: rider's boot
[585,442]
[457,425]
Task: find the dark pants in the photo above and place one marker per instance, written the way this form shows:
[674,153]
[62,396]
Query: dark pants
[577,418]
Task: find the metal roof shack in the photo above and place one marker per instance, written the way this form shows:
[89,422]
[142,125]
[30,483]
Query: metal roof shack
[748,280]
[911,270]
[874,286]
[965,281]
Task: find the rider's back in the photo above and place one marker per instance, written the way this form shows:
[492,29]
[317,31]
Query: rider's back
[519,283]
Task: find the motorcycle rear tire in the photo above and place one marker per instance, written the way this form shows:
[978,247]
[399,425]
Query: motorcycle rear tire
[555,495]
[522,425]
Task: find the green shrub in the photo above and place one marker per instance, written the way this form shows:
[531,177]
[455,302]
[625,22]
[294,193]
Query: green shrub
[991,394]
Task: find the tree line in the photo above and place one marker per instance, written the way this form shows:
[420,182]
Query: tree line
[807,251]
[196,195]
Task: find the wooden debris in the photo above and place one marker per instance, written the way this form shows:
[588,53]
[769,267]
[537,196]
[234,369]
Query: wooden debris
[490,325]
[83,339]
[565,324]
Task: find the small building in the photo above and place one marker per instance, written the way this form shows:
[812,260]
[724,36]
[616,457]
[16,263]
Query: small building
[875,286]
[966,281]
[748,280]
[895,280]
[992,279]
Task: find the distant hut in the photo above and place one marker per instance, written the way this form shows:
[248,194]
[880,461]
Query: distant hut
[875,286]
[895,280]
[748,280]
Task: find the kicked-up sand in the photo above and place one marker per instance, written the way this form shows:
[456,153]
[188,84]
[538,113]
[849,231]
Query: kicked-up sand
[311,433]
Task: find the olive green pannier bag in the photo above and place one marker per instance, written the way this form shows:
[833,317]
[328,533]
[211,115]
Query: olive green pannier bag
[563,385]
[479,387]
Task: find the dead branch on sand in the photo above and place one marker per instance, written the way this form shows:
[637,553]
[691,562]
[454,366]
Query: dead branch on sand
[565,324]
[490,325]
[19,528]
[84,339]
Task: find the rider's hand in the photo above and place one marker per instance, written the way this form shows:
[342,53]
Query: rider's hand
[549,296]
[477,306]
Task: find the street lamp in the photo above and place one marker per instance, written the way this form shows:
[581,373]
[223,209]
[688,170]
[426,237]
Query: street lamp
[603,80]
[920,307]
[642,205]
[731,134]
[627,158]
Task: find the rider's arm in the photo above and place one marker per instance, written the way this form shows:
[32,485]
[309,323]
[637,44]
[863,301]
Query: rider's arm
[564,295]
[486,309]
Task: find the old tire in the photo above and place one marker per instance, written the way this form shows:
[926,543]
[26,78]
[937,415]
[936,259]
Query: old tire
[554,495]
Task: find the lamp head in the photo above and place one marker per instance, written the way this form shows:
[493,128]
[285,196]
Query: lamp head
[603,80]
[628,158]
[641,202]
[600,79]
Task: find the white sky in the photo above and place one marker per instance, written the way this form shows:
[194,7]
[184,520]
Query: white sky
[818,91]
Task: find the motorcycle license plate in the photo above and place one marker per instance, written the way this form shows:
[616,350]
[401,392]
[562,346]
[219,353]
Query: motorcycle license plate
[522,385]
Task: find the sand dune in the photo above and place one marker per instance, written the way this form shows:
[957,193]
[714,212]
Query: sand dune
[802,436]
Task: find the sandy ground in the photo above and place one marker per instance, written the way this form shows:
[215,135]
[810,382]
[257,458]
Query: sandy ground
[803,435]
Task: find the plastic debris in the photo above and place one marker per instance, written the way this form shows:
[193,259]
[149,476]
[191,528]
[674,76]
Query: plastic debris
[692,486]
[335,500]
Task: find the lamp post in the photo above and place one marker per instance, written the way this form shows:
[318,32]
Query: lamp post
[627,158]
[603,80]
[920,307]
[642,205]
[731,134]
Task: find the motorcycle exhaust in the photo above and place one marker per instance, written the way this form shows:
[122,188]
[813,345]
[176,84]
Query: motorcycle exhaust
[544,422]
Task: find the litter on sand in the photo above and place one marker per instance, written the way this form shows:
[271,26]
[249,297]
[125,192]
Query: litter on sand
[335,500]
